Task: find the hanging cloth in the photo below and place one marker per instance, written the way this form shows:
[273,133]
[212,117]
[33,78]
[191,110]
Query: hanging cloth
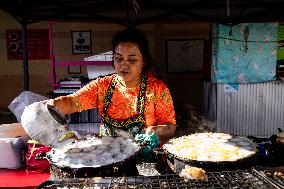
[133,124]
[244,53]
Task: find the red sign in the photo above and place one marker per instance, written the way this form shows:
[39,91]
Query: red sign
[38,44]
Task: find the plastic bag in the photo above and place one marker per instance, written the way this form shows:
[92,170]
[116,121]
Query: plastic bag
[34,165]
[18,105]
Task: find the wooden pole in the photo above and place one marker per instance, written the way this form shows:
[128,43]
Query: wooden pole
[25,56]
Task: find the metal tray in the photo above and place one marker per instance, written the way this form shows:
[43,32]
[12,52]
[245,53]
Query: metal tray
[244,179]
[270,173]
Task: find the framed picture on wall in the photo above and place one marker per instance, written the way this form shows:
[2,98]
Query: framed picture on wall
[81,42]
[184,55]
[74,69]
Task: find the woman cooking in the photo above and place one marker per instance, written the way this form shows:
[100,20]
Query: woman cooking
[133,99]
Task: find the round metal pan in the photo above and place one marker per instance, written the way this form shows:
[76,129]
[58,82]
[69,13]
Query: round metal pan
[125,167]
[178,163]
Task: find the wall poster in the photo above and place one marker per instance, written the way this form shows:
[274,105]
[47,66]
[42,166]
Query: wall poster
[81,42]
[38,44]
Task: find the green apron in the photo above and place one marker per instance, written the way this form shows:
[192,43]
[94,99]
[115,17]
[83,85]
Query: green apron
[134,124]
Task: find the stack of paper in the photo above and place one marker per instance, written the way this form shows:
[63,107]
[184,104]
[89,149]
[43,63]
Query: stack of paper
[100,69]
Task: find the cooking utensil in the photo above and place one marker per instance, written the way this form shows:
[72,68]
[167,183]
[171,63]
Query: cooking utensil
[57,115]
[177,163]
[59,172]
[44,123]
[124,167]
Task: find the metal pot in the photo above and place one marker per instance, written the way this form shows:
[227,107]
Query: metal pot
[177,163]
[44,123]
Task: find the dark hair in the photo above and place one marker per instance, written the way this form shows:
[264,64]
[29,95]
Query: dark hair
[138,38]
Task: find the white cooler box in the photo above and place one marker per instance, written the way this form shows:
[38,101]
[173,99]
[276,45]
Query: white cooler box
[11,153]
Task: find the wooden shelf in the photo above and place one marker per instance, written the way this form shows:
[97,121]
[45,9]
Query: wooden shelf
[53,63]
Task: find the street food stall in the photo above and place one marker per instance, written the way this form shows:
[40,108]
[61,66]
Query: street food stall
[245,168]
[200,160]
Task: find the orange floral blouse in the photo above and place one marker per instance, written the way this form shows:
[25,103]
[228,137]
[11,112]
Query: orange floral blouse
[158,109]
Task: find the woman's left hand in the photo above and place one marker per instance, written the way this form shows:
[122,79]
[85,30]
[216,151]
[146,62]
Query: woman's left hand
[148,143]
[164,132]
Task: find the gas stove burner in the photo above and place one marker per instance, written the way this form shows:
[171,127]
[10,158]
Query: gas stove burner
[216,180]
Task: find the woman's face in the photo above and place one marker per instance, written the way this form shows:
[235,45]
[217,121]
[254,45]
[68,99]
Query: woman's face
[128,63]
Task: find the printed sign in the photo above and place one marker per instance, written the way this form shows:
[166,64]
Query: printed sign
[37,41]
[81,42]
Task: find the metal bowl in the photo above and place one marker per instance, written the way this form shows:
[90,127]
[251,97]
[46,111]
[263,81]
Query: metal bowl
[44,123]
